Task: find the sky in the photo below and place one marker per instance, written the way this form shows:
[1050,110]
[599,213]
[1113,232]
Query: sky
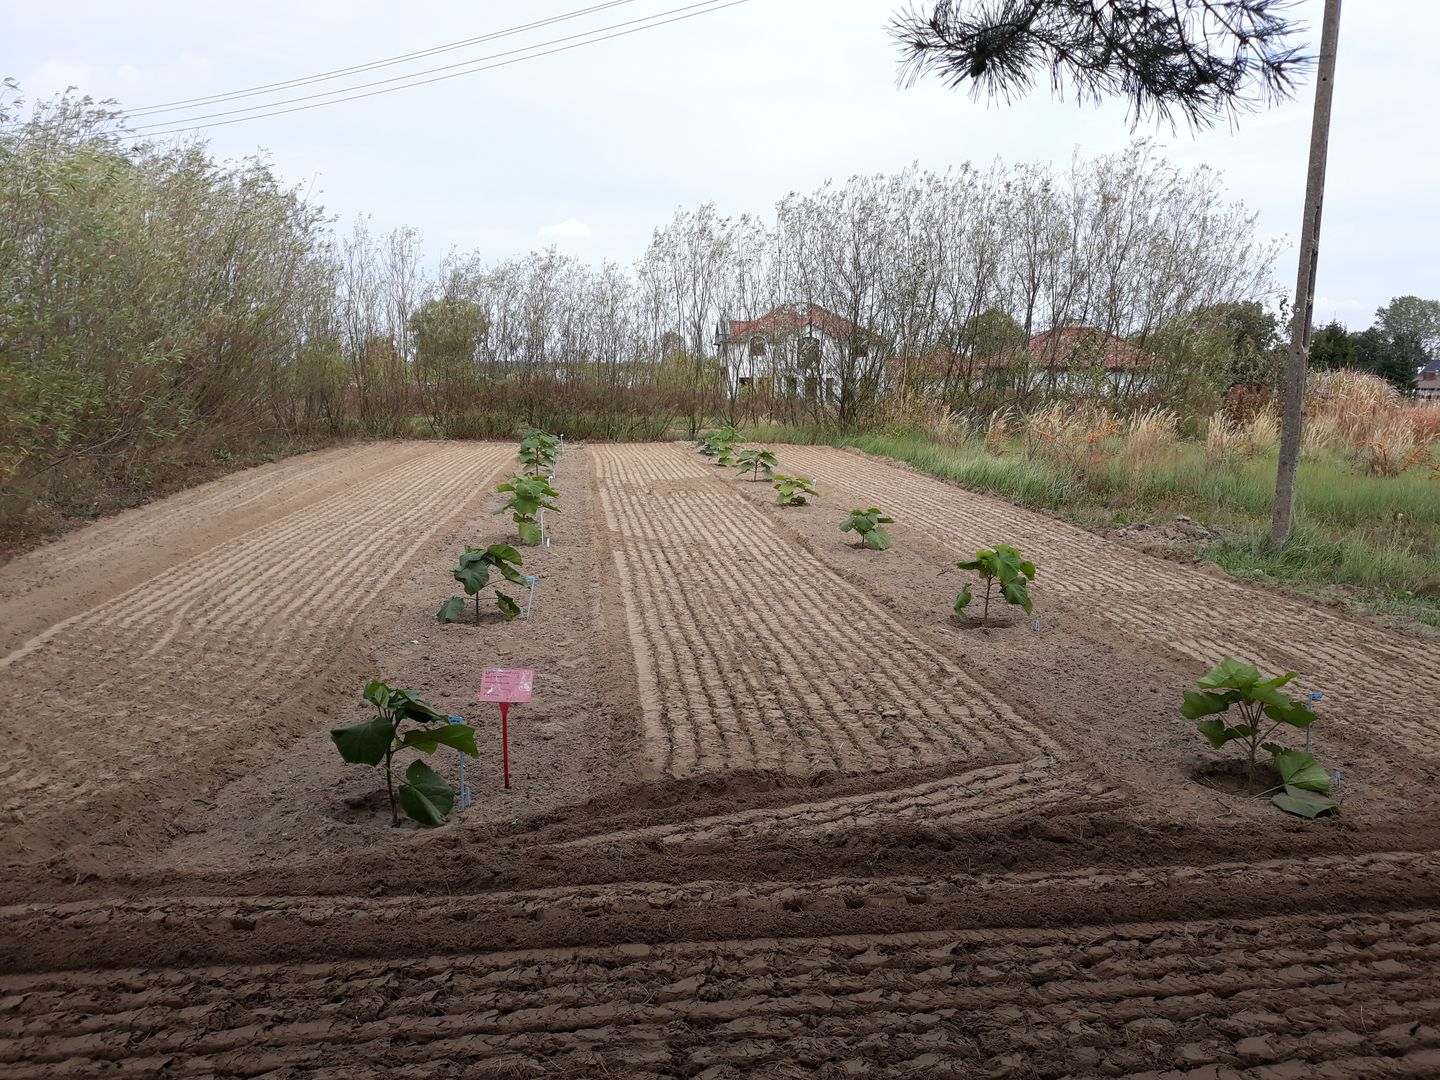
[590,149]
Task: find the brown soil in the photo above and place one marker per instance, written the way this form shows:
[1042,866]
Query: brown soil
[775,811]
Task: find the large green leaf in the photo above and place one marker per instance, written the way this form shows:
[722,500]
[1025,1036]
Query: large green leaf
[1291,712]
[504,553]
[1229,674]
[513,575]
[1203,703]
[473,575]
[413,707]
[878,538]
[377,693]
[1217,733]
[529,532]
[426,797]
[451,610]
[847,524]
[962,601]
[364,743]
[427,740]
[1294,800]
[1299,769]
[1015,592]
[508,607]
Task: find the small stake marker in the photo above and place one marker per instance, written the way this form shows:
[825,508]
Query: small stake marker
[506,687]
[464,787]
[1314,696]
[530,600]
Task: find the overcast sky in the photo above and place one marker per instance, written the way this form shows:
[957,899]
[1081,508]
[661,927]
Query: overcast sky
[591,148]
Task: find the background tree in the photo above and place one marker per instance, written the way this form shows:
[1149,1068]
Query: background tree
[1413,322]
[1332,347]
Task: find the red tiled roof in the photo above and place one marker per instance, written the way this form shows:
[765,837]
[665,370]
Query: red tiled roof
[1075,346]
[791,318]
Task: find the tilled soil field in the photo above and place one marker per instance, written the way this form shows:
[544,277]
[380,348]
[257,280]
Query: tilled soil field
[775,811]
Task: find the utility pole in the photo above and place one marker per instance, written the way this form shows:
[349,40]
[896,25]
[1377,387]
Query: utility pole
[1303,316]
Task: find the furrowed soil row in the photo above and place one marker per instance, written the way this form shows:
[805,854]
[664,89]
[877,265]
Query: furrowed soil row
[111,933]
[956,804]
[1164,604]
[227,630]
[289,479]
[754,655]
[1288,996]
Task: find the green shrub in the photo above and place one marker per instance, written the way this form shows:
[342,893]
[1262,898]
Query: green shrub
[1004,564]
[866,525]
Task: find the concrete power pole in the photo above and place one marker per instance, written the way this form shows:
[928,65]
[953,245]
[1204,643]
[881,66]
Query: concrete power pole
[1303,315]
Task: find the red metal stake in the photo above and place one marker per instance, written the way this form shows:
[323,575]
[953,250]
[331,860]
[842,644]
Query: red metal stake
[505,741]
[505,687]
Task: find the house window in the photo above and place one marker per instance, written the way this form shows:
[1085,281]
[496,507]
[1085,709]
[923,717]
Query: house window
[757,346]
[744,380]
[809,354]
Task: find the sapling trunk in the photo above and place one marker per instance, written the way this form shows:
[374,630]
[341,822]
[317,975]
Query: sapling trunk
[390,783]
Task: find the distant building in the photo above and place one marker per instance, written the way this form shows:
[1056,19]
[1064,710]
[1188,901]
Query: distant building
[1060,358]
[1427,382]
[1076,347]
[795,349]
[1075,357]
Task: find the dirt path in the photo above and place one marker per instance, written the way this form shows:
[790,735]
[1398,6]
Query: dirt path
[774,812]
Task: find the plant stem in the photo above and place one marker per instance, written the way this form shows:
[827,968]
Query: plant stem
[389,781]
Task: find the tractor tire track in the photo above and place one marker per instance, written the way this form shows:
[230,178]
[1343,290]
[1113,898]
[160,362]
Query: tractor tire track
[1313,995]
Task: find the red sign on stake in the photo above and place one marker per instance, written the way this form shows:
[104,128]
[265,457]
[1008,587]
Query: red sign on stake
[509,684]
[506,686]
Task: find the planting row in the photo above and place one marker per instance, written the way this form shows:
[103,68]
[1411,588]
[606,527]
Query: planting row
[424,795]
[1262,709]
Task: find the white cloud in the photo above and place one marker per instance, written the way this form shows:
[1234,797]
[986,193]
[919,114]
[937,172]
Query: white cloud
[569,229]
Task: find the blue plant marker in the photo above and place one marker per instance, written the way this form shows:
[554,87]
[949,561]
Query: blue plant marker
[1314,696]
[464,787]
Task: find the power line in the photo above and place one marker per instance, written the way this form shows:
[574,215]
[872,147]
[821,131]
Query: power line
[389,61]
[650,22]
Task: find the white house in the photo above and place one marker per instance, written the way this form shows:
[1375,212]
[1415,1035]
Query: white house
[1427,382]
[795,350]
